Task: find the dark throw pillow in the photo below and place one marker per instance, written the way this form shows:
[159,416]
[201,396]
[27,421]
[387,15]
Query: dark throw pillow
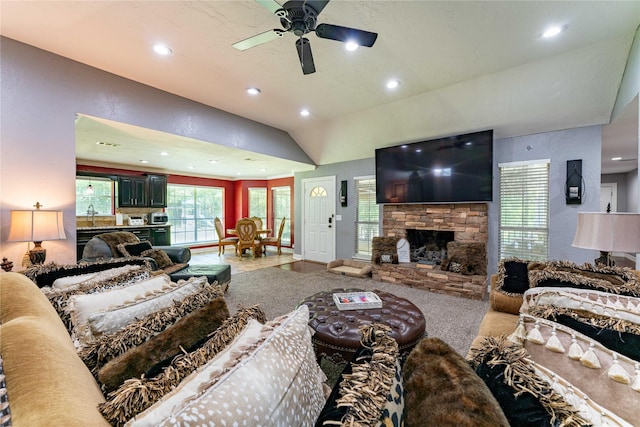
[160,257]
[513,276]
[134,249]
[441,389]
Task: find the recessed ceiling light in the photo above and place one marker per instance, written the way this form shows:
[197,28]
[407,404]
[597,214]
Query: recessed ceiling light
[304,112]
[107,144]
[263,170]
[253,91]
[553,31]
[161,49]
[351,46]
[213,161]
[616,159]
[239,173]
[191,167]
[392,84]
[164,153]
[144,161]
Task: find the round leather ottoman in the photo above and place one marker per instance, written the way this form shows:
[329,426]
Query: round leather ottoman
[337,336]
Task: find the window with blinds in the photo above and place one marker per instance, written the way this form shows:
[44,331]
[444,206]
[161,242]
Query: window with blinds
[367,216]
[524,210]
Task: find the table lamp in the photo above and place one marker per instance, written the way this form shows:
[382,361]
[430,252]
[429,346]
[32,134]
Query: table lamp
[36,226]
[607,232]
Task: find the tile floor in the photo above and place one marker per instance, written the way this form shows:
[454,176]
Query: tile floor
[249,263]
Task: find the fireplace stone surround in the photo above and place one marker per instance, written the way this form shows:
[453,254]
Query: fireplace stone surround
[469,223]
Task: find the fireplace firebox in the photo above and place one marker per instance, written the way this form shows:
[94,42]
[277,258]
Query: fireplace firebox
[428,245]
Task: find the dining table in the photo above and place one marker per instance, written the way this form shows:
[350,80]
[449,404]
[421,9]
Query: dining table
[259,235]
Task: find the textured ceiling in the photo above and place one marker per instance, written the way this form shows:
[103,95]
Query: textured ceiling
[464,66]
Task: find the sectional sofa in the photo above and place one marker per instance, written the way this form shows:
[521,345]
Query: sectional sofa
[68,358]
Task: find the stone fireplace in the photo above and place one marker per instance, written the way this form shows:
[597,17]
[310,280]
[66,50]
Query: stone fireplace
[432,227]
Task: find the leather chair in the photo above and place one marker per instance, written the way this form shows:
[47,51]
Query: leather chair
[276,240]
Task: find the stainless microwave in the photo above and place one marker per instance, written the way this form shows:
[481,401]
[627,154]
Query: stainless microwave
[158,218]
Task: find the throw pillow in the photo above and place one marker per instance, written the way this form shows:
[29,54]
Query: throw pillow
[597,382]
[271,380]
[45,274]
[525,398]
[138,394]
[513,276]
[99,282]
[371,390]
[186,333]
[116,317]
[84,305]
[441,389]
[133,249]
[98,353]
[159,256]
[616,280]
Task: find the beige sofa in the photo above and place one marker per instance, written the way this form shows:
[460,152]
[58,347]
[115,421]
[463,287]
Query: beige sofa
[350,267]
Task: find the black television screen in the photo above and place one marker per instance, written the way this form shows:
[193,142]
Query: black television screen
[445,170]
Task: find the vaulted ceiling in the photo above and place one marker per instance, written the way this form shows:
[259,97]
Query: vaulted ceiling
[463,65]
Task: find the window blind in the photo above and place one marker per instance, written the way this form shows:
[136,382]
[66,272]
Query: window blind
[524,210]
[367,216]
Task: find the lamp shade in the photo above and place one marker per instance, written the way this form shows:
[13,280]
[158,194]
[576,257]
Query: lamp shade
[608,232]
[36,226]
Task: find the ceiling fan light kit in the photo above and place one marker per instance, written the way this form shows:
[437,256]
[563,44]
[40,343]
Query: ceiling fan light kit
[300,18]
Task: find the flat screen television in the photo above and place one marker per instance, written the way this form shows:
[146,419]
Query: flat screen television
[454,169]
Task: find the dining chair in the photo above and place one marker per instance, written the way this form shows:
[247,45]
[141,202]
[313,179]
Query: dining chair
[224,241]
[275,240]
[246,230]
[258,222]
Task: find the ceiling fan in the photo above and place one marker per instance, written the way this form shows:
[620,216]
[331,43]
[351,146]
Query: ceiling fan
[300,17]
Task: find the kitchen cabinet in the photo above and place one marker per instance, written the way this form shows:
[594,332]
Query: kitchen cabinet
[132,191]
[142,191]
[161,236]
[157,191]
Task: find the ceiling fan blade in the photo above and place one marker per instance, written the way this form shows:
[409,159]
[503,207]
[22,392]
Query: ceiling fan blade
[306,58]
[270,5]
[258,39]
[344,34]
[317,5]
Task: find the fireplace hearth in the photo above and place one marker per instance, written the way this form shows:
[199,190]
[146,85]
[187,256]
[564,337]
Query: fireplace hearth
[429,245]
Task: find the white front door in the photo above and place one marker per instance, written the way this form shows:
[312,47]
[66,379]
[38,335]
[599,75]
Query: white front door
[318,228]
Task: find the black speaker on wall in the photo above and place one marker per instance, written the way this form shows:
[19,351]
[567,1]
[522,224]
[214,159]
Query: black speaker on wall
[343,193]
[574,185]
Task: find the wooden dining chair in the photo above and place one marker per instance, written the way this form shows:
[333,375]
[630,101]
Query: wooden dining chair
[224,241]
[246,230]
[258,222]
[275,240]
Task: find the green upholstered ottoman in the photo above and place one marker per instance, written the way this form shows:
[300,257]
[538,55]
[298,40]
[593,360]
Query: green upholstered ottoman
[219,272]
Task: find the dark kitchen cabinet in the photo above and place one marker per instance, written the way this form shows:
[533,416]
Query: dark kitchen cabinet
[157,191]
[161,236]
[142,191]
[132,191]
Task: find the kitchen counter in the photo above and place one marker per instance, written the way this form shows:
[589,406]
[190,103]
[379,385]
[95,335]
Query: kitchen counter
[118,227]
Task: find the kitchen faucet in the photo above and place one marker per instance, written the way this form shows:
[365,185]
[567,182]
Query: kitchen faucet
[91,211]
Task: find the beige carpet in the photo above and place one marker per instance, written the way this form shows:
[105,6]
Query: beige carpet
[455,320]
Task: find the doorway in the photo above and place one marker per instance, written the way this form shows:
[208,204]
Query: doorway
[609,195]
[318,213]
